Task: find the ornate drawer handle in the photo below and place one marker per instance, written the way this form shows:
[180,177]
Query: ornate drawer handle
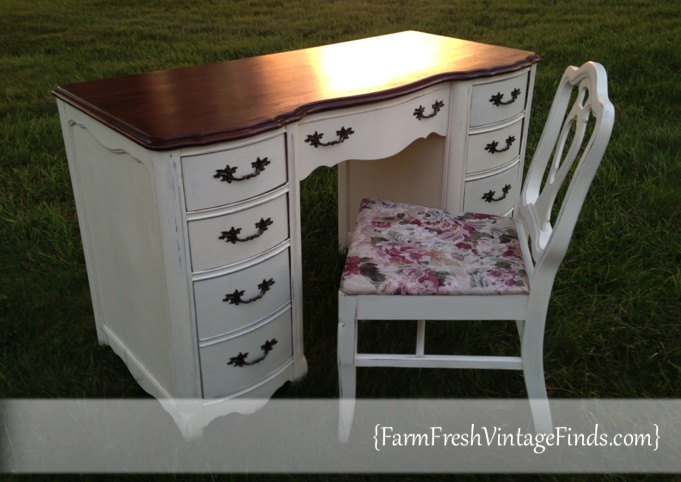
[489,196]
[240,360]
[227,174]
[419,112]
[497,99]
[315,139]
[235,298]
[492,146]
[232,236]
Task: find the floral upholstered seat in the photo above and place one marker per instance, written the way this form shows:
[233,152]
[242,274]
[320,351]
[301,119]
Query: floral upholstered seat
[402,249]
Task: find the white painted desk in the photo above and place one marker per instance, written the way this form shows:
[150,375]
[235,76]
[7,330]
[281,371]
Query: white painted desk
[186,184]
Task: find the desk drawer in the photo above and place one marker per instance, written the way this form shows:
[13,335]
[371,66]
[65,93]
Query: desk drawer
[233,301]
[231,175]
[375,133]
[229,238]
[486,194]
[253,356]
[497,101]
[492,149]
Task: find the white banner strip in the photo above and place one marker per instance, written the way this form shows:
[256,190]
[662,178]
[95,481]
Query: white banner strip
[301,436]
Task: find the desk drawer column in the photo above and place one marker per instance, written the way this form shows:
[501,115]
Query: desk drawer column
[237,198]
[487,162]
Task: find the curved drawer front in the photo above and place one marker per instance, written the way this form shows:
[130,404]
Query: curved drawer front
[222,240]
[238,299]
[487,194]
[497,101]
[227,176]
[381,131]
[493,149]
[236,363]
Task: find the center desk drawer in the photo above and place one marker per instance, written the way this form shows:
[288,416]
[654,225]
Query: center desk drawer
[239,234]
[377,132]
[242,297]
[236,363]
[230,175]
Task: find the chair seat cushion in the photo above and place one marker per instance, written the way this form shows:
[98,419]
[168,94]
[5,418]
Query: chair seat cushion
[401,249]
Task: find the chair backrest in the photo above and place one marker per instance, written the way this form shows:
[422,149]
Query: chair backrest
[569,152]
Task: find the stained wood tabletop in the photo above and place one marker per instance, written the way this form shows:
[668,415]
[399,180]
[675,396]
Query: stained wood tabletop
[234,99]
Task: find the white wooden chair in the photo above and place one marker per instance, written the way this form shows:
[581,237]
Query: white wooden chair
[415,263]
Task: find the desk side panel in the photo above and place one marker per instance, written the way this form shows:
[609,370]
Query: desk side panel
[121,234]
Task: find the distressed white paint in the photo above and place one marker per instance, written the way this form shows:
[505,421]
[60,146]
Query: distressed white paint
[150,223]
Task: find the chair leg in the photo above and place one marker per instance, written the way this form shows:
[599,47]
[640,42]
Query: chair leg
[421,337]
[533,370]
[347,347]
[520,325]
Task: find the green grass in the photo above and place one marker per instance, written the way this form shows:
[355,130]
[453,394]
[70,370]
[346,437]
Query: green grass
[613,324]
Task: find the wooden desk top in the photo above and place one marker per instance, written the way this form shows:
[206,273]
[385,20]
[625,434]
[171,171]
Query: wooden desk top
[230,100]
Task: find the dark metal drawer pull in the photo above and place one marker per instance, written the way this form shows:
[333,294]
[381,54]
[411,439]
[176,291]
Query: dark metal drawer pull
[497,99]
[227,174]
[419,112]
[315,139]
[235,298]
[232,236]
[489,196]
[492,146]
[240,360]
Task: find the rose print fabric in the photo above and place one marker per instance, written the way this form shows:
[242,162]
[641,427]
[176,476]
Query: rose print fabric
[401,249]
